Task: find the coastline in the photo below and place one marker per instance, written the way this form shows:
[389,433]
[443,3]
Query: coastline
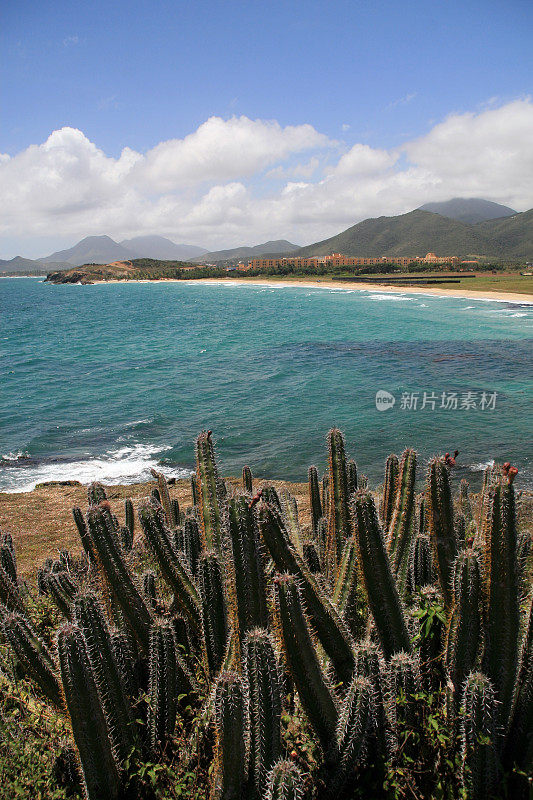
[474,294]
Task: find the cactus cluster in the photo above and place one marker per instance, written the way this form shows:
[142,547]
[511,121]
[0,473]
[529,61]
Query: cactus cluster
[239,611]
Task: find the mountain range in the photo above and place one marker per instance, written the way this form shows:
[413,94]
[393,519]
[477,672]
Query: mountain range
[455,227]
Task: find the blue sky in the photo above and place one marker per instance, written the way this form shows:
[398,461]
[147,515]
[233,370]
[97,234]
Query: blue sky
[133,75]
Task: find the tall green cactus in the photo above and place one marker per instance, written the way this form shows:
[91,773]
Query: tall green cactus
[229,775]
[314,498]
[289,510]
[390,489]
[502,590]
[129,515]
[249,567]
[338,511]
[192,542]
[264,706]
[9,593]
[519,747]
[439,511]
[311,557]
[119,579]
[422,564]
[402,528]
[194,489]
[355,718]
[284,782]
[89,616]
[59,590]
[478,737]
[381,591]
[345,591]
[369,664]
[172,566]
[83,531]
[124,656]
[329,627]
[214,613]
[351,476]
[209,493]
[465,504]
[405,686]
[315,695]
[164,494]
[100,772]
[464,631]
[32,653]
[247,480]
[95,494]
[162,665]
[8,560]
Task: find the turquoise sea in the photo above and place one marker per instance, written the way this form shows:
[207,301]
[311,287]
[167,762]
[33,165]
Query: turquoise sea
[103,382]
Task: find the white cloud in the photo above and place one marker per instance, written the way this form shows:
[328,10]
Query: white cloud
[214,187]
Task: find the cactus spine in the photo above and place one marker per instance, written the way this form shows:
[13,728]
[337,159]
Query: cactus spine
[33,654]
[209,493]
[402,525]
[503,615]
[230,736]
[162,685]
[247,481]
[264,704]
[439,511]
[250,586]
[390,488]
[284,782]
[300,652]
[314,498]
[478,737]
[100,773]
[214,618]
[338,512]
[381,591]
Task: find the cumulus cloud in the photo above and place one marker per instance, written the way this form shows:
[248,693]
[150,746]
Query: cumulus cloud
[243,181]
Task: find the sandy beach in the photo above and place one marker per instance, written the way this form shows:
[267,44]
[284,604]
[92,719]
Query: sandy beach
[351,286]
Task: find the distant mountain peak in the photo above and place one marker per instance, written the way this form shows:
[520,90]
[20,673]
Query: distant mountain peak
[469,210]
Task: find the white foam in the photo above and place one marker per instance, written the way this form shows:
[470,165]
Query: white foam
[481,467]
[121,465]
[391,296]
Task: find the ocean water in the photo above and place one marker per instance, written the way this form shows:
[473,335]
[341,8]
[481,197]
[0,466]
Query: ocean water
[104,382]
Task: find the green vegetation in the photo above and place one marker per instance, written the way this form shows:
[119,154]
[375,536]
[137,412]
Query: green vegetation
[234,650]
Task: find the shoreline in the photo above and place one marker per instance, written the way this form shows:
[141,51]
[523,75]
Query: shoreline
[348,286]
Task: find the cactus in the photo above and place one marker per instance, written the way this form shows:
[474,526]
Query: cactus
[58,589]
[192,543]
[460,531]
[96,494]
[123,654]
[85,536]
[439,511]
[338,512]
[164,495]
[209,493]
[247,483]
[402,527]
[32,653]
[381,591]
[322,539]
[390,488]
[311,558]
[502,609]
[422,565]
[175,514]
[478,737]
[149,590]
[126,539]
[284,782]
[100,772]
[464,631]
[519,748]
[230,738]
[355,718]
[91,621]
[249,568]
[9,593]
[194,489]
[162,665]
[264,706]
[330,629]
[345,590]
[325,494]
[172,566]
[314,498]
[315,695]
[465,505]
[351,476]
[289,510]
[270,496]
[129,516]
[214,617]
[8,560]
[119,579]
[404,710]
[369,664]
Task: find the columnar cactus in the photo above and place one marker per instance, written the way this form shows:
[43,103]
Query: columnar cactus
[351,476]
[90,618]
[519,748]
[129,515]
[95,494]
[465,505]
[249,568]
[89,728]
[390,488]
[172,566]
[329,627]
[381,591]
[194,489]
[120,581]
[32,653]
[192,542]
[315,695]
[162,665]
[464,631]
[439,511]
[338,511]
[264,706]
[422,564]
[314,498]
[164,494]
[209,493]
[355,720]
[369,664]
[85,536]
[148,579]
[230,738]
[311,557]
[123,653]
[402,529]
[247,480]
[284,782]
[345,589]
[9,593]
[8,559]
[478,737]
[214,616]
[289,510]
[404,710]
[503,615]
